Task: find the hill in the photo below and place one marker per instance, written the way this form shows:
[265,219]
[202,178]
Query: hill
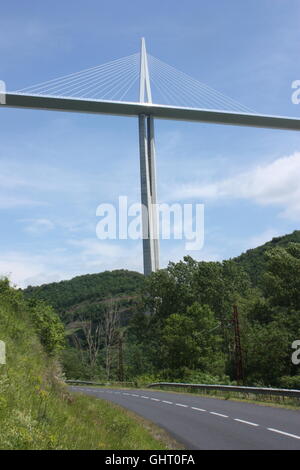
[88,294]
[254,261]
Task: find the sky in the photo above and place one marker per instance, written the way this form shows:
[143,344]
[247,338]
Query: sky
[56,168]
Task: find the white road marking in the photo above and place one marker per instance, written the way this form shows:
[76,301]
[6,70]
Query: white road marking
[245,422]
[218,414]
[284,433]
[193,408]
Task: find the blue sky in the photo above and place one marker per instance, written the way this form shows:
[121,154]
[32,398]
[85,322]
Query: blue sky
[55,168]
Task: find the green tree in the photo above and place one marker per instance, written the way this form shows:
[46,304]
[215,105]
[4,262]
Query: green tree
[268,353]
[48,326]
[281,282]
[191,340]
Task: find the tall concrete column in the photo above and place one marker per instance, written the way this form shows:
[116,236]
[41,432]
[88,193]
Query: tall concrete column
[148,195]
[152,167]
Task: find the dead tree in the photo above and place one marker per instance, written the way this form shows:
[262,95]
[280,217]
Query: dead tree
[111,322]
[93,336]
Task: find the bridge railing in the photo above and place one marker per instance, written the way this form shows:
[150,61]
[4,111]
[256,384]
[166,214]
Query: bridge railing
[282,392]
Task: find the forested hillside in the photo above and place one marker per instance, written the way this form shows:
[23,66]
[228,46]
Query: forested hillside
[177,324]
[86,295]
[254,260]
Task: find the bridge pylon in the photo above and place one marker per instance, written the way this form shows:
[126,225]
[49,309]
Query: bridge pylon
[148,173]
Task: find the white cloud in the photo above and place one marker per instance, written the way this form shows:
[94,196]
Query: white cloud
[177,253]
[37,226]
[40,177]
[19,267]
[94,253]
[260,239]
[10,202]
[276,183]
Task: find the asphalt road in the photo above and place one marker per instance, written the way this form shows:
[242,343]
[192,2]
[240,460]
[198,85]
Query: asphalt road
[208,423]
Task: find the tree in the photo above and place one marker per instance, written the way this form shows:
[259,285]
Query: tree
[93,335]
[281,282]
[191,339]
[48,326]
[268,353]
[111,323]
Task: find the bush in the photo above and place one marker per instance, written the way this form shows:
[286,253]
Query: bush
[48,326]
[290,382]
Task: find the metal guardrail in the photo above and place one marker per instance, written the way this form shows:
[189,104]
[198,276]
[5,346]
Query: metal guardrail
[283,392]
[86,382]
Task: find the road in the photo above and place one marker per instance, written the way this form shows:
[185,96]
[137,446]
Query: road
[208,423]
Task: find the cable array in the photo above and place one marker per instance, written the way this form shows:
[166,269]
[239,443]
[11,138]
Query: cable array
[119,80]
[110,81]
[177,88]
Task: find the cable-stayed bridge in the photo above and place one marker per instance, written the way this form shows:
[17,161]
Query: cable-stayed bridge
[143,86]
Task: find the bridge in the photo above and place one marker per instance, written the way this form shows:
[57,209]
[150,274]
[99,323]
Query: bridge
[103,89]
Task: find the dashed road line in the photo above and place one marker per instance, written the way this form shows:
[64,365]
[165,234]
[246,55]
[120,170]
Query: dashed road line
[218,414]
[294,436]
[284,433]
[245,422]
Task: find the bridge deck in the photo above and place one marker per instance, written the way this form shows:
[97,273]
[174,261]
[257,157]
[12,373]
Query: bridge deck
[158,111]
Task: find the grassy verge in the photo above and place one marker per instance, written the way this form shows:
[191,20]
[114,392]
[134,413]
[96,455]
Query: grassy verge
[36,409]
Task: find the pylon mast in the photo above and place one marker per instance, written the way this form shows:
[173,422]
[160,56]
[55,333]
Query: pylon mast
[238,349]
[148,173]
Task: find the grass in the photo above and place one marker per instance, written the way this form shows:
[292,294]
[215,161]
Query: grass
[38,412]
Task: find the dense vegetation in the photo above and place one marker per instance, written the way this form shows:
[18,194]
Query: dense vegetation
[177,324]
[254,260]
[36,409]
[67,297]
